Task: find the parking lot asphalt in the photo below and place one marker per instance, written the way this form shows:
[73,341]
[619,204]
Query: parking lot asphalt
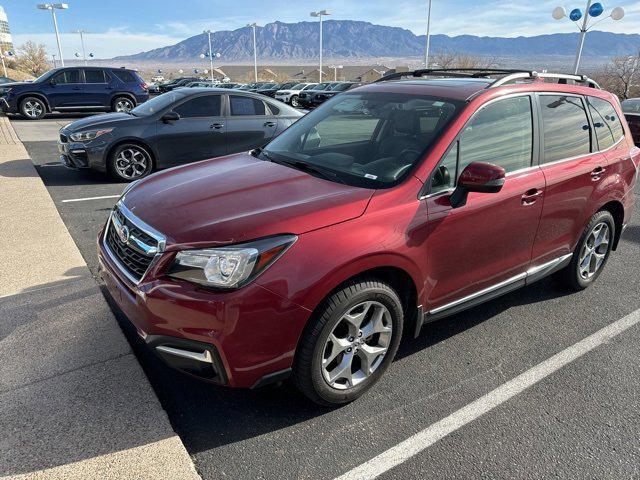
[581,421]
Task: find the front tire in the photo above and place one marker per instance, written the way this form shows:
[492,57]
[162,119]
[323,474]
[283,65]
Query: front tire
[294,101]
[129,162]
[122,104]
[591,253]
[350,342]
[33,108]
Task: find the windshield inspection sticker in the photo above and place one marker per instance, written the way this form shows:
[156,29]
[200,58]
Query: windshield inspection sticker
[372,177]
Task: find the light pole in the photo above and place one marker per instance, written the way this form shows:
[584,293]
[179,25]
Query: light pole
[208,32]
[53,55]
[592,10]
[255,51]
[335,71]
[426,53]
[53,7]
[82,32]
[320,14]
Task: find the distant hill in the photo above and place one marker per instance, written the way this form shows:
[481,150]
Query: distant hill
[348,39]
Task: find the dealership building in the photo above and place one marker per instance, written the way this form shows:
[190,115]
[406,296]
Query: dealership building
[6,44]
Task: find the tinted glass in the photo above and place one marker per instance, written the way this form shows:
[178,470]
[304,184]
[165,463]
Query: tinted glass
[68,76]
[124,76]
[566,128]
[342,87]
[444,176]
[206,106]
[500,133]
[606,122]
[366,139]
[310,87]
[94,76]
[246,106]
[274,110]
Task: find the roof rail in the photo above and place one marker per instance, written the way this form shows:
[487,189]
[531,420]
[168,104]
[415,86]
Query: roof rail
[509,75]
[450,72]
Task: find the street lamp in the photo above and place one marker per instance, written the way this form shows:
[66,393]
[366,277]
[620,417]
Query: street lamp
[82,32]
[53,7]
[320,14]
[335,71]
[426,53]
[592,10]
[208,32]
[210,55]
[255,53]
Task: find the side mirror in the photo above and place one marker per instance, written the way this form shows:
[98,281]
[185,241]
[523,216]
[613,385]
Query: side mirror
[477,177]
[52,82]
[170,116]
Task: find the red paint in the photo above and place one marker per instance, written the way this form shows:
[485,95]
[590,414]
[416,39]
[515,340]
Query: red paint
[342,231]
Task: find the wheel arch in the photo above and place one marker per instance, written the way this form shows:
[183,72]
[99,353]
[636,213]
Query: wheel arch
[40,96]
[616,209]
[130,96]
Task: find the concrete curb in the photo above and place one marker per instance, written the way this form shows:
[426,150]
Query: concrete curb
[74,402]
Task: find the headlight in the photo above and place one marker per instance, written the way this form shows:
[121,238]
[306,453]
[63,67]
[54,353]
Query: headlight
[232,266]
[89,135]
[4,90]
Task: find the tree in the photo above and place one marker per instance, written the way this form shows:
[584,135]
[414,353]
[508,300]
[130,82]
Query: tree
[461,60]
[32,58]
[622,76]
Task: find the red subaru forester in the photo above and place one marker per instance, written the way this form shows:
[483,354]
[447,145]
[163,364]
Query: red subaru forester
[391,205]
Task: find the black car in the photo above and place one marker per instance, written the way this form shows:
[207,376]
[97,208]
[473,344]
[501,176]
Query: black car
[321,97]
[271,88]
[177,82]
[174,128]
[305,98]
[75,89]
[252,87]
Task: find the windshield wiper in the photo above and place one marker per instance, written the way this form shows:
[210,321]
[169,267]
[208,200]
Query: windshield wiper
[323,172]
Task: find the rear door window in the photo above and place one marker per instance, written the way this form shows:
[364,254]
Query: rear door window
[94,76]
[605,121]
[565,126]
[205,106]
[241,105]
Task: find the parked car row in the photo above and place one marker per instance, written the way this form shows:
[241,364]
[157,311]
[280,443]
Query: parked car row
[631,110]
[314,97]
[389,206]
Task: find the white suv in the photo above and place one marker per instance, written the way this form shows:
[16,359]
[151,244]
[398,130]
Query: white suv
[290,95]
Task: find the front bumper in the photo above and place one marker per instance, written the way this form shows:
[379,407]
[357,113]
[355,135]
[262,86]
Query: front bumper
[283,98]
[7,105]
[76,155]
[250,333]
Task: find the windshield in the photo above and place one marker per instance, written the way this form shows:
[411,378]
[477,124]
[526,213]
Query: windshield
[299,86]
[366,139]
[156,104]
[341,87]
[631,105]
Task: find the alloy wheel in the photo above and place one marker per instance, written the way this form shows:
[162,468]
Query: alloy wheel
[594,251]
[357,345]
[294,101]
[132,163]
[124,105]
[33,109]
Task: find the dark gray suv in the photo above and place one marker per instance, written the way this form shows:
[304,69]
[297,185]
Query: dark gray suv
[174,128]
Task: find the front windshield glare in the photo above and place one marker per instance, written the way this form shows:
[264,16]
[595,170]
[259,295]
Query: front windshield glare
[368,139]
[156,104]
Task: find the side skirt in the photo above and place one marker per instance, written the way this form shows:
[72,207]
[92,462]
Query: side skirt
[532,275]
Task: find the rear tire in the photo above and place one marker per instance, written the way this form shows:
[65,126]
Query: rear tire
[349,343]
[591,253]
[122,104]
[33,108]
[129,162]
[294,101]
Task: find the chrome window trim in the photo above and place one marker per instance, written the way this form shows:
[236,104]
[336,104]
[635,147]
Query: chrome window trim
[152,232]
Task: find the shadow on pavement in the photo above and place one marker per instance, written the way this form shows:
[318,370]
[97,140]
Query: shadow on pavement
[15,169]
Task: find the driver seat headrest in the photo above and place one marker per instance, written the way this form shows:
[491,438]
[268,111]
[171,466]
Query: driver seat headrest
[406,122]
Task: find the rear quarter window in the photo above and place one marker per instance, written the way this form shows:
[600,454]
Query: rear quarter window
[606,122]
[125,76]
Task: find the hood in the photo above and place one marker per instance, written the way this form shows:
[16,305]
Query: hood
[99,121]
[16,84]
[238,198]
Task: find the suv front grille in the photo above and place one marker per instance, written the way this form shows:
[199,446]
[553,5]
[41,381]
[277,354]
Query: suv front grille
[134,255]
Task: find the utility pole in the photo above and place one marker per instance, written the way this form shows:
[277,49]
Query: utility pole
[255,51]
[320,14]
[82,32]
[426,53]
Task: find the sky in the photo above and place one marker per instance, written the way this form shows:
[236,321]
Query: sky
[120,27]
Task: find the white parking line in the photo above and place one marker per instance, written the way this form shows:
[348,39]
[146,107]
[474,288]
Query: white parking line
[89,198]
[430,435]
[50,165]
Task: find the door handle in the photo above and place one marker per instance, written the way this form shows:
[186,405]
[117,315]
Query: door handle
[269,124]
[597,172]
[531,196]
[216,126]
[77,88]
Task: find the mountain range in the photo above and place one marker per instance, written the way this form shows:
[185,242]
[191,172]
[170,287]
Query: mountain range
[350,39]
